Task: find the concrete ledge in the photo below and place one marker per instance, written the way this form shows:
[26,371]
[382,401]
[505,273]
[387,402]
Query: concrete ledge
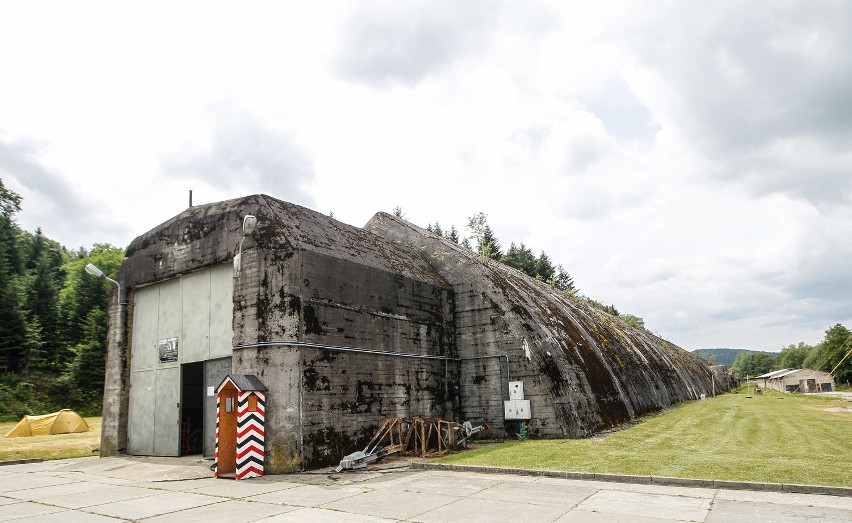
[747,485]
[647,480]
[818,489]
[20,461]
[683,482]
[624,478]
[580,475]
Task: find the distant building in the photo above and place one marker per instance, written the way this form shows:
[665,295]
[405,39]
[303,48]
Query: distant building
[799,380]
[763,379]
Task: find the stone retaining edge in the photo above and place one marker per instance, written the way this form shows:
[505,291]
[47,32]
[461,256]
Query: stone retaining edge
[646,480]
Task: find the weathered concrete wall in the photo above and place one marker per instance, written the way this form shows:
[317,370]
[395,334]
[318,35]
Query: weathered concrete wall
[350,304]
[727,380]
[346,395]
[267,302]
[308,278]
[582,369]
[279,369]
[116,381]
[336,401]
[481,331]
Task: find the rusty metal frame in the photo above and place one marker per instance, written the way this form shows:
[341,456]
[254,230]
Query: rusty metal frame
[419,435]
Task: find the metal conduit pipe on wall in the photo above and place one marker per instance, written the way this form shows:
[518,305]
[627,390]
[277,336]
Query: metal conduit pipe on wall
[377,352]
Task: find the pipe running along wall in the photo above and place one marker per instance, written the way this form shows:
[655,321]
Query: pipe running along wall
[377,352]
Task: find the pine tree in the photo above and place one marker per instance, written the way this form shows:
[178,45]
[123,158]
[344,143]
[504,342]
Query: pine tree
[489,245]
[482,236]
[544,269]
[86,371]
[36,356]
[83,293]
[12,329]
[564,281]
[10,204]
[521,258]
[10,201]
[453,235]
[43,280]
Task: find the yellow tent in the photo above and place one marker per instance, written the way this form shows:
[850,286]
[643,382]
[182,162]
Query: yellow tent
[62,422]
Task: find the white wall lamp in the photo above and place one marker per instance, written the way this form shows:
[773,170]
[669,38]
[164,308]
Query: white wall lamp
[94,271]
[249,225]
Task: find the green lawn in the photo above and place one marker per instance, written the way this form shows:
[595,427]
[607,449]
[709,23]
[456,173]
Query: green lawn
[778,438]
[57,446]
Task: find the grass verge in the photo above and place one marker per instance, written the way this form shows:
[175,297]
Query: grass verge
[777,438]
[56,446]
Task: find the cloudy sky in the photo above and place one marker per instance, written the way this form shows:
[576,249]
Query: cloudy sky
[689,162]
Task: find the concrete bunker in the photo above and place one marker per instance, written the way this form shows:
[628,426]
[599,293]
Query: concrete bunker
[347,326]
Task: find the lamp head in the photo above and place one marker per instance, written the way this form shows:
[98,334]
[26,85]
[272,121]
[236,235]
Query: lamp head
[94,271]
[249,224]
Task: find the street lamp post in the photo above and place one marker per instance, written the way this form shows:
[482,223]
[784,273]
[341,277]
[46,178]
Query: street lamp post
[94,271]
[111,441]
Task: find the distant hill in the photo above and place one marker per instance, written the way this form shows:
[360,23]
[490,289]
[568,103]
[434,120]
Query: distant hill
[725,356]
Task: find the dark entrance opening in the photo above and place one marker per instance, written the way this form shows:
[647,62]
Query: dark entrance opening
[192,408]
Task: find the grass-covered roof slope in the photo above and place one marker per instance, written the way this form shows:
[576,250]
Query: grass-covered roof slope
[583,369]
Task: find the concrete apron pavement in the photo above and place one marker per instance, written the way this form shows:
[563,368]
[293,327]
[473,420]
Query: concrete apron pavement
[114,489]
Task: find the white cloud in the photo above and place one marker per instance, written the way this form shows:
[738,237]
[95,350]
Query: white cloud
[688,164]
[384,43]
[759,87]
[246,155]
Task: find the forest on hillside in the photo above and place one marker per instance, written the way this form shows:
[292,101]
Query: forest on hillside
[53,320]
[833,353]
[722,356]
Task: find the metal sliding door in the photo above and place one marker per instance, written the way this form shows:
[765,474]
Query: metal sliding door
[183,320]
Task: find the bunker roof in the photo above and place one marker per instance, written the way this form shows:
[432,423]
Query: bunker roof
[210,234]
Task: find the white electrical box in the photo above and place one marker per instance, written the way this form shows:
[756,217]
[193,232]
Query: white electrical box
[516,409]
[516,390]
